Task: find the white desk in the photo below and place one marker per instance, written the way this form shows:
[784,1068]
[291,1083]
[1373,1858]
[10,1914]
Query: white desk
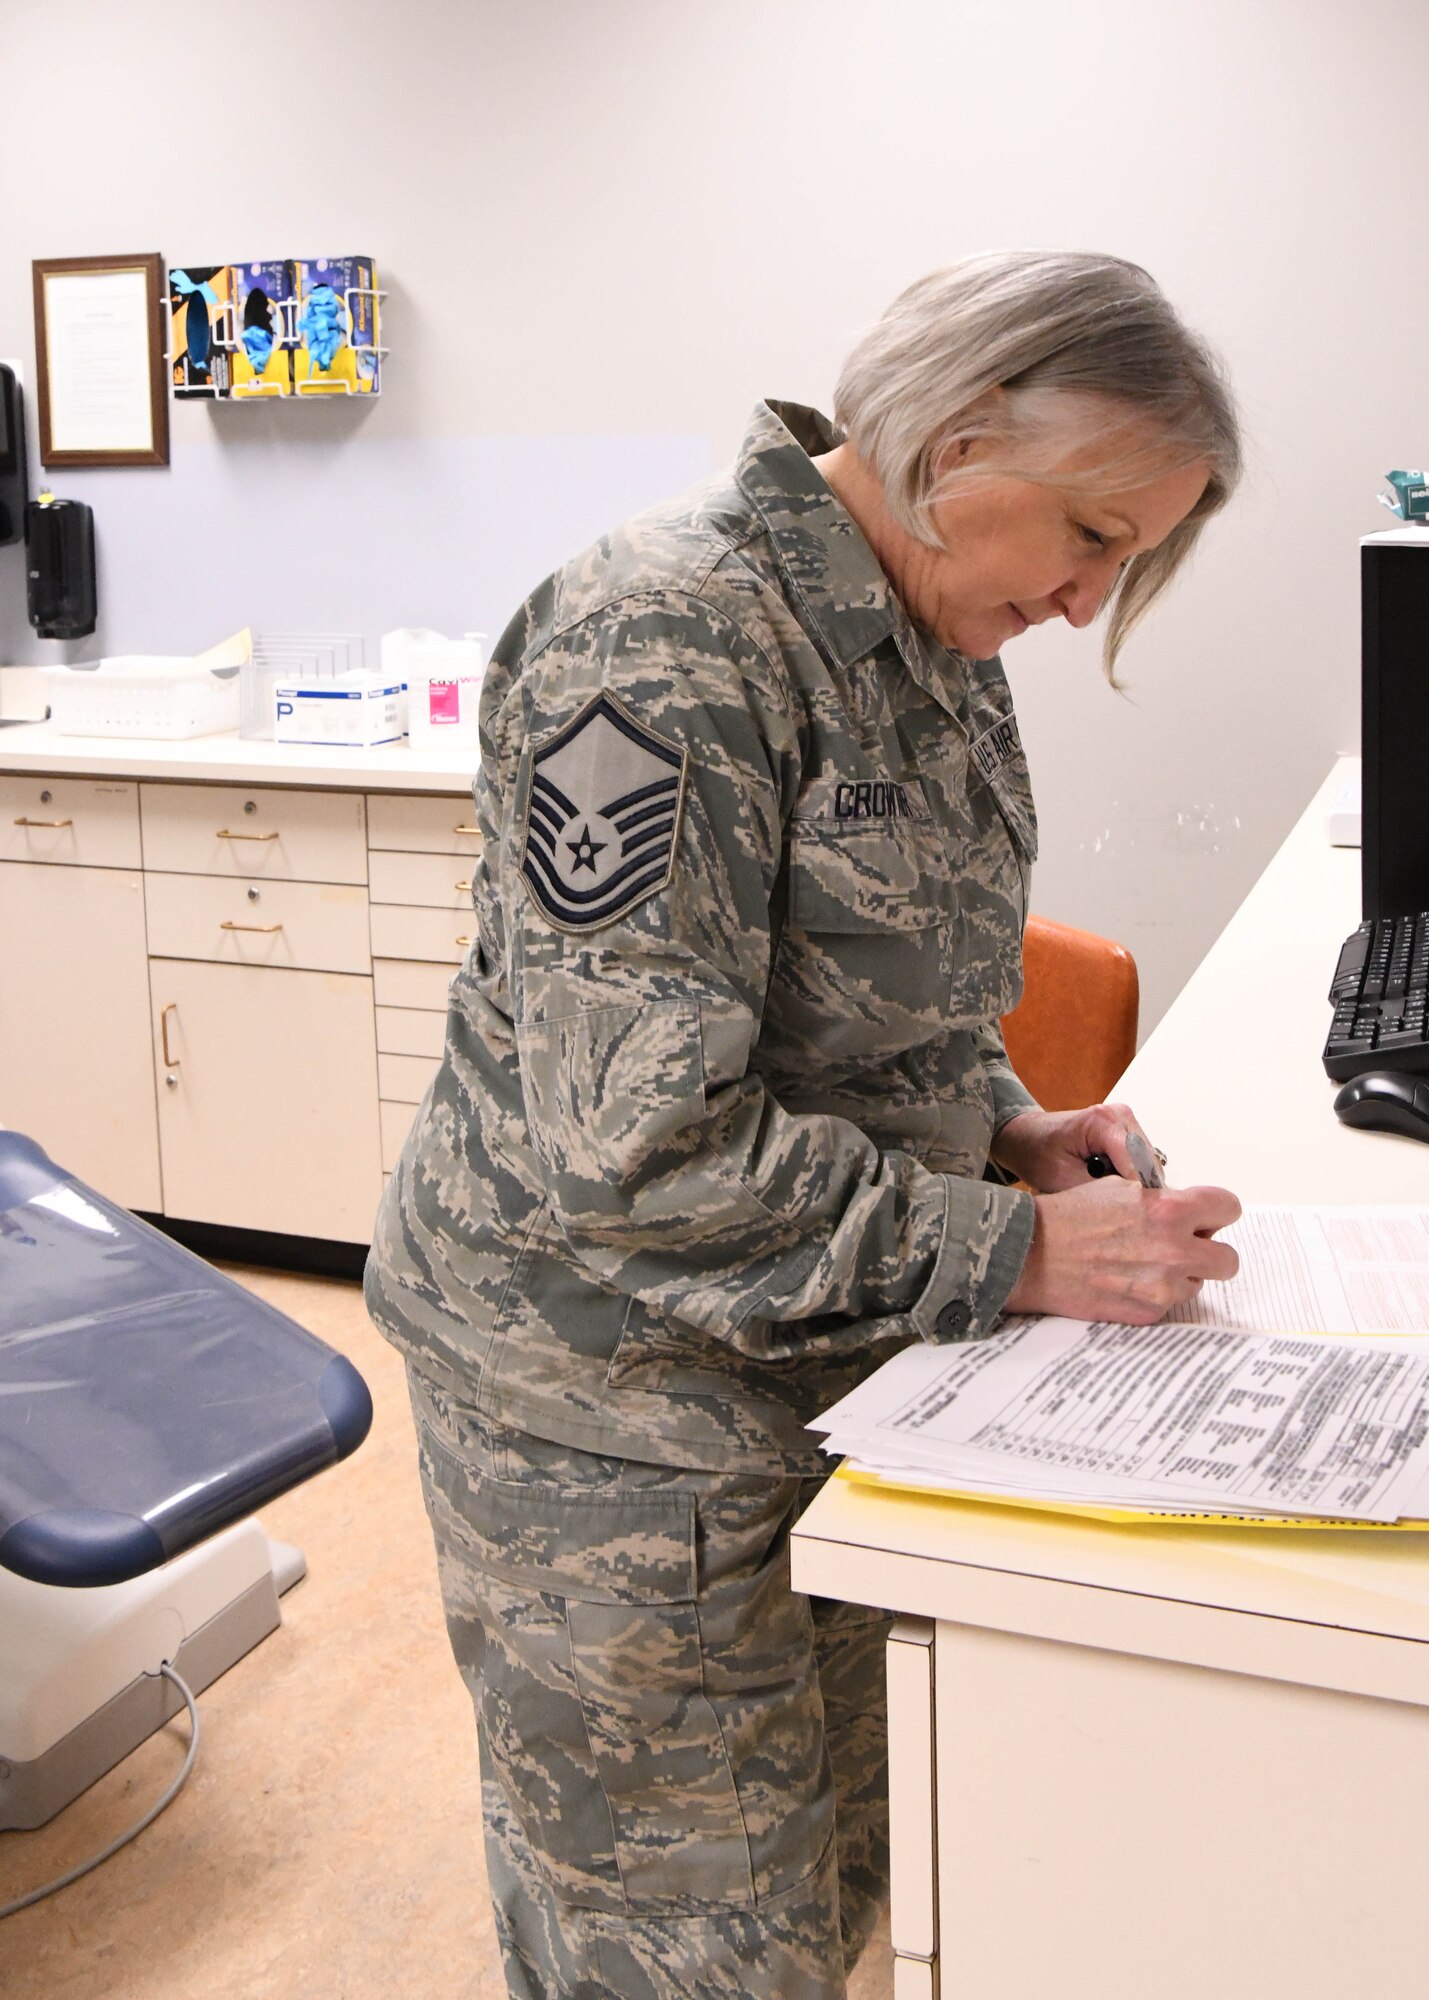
[1161,1764]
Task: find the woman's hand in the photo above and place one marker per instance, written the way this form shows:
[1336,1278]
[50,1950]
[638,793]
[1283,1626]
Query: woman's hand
[1050,1149]
[1112,1249]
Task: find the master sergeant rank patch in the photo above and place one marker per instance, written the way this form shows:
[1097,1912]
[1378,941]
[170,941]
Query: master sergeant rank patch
[601,818]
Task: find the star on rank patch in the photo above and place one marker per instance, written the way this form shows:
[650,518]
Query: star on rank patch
[601,817]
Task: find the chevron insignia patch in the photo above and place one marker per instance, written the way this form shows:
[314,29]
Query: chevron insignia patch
[601,818]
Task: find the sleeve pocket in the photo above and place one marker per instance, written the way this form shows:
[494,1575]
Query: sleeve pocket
[607,1093]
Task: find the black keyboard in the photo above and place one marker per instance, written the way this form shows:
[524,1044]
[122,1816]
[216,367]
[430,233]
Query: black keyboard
[1380,993]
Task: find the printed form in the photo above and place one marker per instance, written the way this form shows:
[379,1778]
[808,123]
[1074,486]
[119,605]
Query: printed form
[1335,1270]
[1178,1418]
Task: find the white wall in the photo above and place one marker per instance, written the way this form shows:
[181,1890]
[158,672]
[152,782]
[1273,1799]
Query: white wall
[608,227]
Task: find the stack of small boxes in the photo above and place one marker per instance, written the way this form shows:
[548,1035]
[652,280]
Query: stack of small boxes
[300,326]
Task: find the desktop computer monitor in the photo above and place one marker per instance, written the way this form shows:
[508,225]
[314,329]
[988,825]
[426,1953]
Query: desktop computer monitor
[1394,722]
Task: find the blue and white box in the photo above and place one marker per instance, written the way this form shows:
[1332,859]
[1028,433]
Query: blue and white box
[352,711]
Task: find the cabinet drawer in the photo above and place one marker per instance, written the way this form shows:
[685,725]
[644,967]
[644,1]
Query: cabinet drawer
[411,982]
[410,1031]
[422,825]
[321,927]
[435,934]
[82,822]
[396,1124]
[437,881]
[269,836]
[404,1079]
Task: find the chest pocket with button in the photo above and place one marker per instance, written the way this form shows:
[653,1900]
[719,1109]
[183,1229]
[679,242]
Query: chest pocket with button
[865,964]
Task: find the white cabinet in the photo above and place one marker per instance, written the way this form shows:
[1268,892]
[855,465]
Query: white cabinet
[263,1019]
[420,857]
[196,979]
[267,1098]
[75,1073]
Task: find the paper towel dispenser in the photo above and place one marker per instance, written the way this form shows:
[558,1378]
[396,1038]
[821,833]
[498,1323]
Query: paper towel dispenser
[59,567]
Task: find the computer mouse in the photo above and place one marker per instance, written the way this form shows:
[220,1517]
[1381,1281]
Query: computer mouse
[1386,1100]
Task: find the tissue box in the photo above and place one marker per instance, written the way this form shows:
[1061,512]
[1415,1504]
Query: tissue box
[354,711]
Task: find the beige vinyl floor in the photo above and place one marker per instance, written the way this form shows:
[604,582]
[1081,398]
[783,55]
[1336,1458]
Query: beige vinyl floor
[328,1843]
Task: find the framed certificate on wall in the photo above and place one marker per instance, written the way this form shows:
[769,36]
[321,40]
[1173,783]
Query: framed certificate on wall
[99,355]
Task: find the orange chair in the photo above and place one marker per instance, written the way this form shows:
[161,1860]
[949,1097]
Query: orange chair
[1074,1030]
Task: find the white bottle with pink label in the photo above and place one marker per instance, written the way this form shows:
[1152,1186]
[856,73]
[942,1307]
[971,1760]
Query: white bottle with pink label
[443,678]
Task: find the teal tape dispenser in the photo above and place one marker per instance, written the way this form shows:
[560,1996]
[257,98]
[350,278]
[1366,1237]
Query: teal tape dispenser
[1411,496]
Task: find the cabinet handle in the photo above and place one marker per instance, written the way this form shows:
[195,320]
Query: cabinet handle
[463,940]
[23,821]
[170,1062]
[224,834]
[467,829]
[264,928]
[462,885]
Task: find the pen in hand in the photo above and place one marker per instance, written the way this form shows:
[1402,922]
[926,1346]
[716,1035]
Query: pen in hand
[1148,1165]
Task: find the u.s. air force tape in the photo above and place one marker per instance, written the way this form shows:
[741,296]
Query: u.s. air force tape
[995,747]
[601,816]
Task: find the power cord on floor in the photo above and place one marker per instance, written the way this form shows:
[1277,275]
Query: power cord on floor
[73,1874]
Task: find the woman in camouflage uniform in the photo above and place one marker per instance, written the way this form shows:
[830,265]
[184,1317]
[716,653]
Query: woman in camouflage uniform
[723,1076]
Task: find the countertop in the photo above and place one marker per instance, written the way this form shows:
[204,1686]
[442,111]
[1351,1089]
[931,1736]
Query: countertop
[393,767]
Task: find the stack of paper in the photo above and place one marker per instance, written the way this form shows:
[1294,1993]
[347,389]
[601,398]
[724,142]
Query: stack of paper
[1264,1419]
[1168,1419]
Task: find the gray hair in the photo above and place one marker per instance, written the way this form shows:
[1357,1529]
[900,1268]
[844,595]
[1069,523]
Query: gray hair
[1077,344]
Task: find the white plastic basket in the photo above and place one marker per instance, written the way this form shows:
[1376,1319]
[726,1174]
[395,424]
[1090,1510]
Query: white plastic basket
[143,695]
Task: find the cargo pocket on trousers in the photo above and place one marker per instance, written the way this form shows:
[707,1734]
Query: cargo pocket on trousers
[679,1831]
[592,1697]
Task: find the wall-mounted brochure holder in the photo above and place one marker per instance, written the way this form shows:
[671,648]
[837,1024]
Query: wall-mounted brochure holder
[303,327]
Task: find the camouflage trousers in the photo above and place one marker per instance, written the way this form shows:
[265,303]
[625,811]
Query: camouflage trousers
[684,1763]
